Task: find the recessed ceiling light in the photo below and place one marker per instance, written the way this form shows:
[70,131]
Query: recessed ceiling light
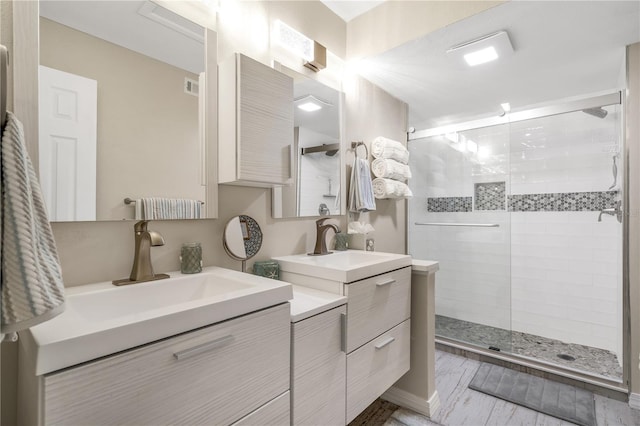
[481,56]
[310,106]
[483,49]
[310,103]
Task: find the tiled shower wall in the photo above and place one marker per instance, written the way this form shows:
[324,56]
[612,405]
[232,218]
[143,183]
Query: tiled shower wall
[319,177]
[549,268]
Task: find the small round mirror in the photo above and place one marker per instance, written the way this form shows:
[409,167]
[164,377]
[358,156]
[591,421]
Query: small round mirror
[242,238]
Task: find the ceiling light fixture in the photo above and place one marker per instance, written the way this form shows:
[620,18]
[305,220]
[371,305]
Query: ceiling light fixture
[314,54]
[483,49]
[310,103]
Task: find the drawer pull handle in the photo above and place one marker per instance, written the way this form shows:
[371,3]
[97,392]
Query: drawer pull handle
[387,282]
[385,343]
[343,333]
[197,350]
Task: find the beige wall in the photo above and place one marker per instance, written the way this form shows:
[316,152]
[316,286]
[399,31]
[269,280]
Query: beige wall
[632,131]
[398,21]
[366,104]
[148,143]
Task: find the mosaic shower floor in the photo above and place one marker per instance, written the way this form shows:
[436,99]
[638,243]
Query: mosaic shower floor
[579,357]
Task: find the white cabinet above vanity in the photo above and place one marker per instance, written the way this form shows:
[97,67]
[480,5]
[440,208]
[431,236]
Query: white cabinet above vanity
[255,128]
[208,348]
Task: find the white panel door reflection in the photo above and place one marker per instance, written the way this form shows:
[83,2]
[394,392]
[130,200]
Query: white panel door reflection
[67,144]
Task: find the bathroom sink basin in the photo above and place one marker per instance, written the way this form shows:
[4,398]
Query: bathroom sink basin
[343,266]
[101,319]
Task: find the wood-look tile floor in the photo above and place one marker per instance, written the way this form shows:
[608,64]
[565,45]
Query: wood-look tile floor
[461,406]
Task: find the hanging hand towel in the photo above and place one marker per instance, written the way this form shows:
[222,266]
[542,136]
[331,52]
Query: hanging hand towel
[32,287]
[170,208]
[361,191]
[391,169]
[388,188]
[387,148]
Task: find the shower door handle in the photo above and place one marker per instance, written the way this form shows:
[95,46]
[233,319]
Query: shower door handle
[480,225]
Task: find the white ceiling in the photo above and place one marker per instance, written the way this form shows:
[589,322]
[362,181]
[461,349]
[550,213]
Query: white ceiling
[160,34]
[562,49]
[349,9]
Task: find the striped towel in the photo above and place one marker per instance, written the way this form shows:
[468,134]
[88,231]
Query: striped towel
[170,208]
[360,190]
[31,282]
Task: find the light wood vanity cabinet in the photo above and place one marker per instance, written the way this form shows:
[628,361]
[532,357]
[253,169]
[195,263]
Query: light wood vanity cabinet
[377,341]
[234,371]
[255,125]
[318,362]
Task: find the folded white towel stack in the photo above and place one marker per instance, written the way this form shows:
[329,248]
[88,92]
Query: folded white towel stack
[389,188]
[382,147]
[170,208]
[31,284]
[391,169]
[361,191]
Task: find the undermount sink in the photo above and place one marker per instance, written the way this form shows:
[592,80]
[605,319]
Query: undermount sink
[101,319]
[343,266]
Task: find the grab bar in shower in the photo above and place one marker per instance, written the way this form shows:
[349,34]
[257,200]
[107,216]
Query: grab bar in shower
[480,225]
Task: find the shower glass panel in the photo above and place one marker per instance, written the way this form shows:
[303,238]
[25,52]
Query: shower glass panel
[459,217]
[523,220]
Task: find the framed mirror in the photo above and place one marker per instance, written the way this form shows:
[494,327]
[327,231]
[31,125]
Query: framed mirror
[318,160]
[121,106]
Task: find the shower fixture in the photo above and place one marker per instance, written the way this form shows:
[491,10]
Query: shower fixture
[329,149]
[596,112]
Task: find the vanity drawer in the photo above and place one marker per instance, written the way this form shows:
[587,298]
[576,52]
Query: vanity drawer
[376,304]
[273,413]
[214,375]
[373,368]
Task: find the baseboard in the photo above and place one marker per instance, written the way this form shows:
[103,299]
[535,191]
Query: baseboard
[427,407]
[634,401]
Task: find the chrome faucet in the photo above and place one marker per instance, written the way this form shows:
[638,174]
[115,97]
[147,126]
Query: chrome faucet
[142,270]
[615,211]
[321,240]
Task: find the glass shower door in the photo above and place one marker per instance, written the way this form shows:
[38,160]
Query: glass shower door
[459,217]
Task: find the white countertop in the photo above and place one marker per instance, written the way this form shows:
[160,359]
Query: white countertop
[308,302]
[101,319]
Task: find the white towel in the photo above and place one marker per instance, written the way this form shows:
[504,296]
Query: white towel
[138,210]
[32,287]
[361,191]
[386,148]
[388,188]
[391,169]
[170,208]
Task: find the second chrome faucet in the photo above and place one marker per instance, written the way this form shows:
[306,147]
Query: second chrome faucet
[321,239]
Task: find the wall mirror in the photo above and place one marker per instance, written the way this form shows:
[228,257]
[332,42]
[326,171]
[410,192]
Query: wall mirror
[121,109]
[318,160]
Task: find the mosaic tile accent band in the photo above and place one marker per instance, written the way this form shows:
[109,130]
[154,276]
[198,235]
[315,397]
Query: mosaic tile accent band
[449,204]
[552,202]
[562,202]
[490,196]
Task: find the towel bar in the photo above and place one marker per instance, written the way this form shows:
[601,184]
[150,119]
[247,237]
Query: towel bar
[132,201]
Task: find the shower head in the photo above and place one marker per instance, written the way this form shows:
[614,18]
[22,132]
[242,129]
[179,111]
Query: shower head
[331,153]
[596,112]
